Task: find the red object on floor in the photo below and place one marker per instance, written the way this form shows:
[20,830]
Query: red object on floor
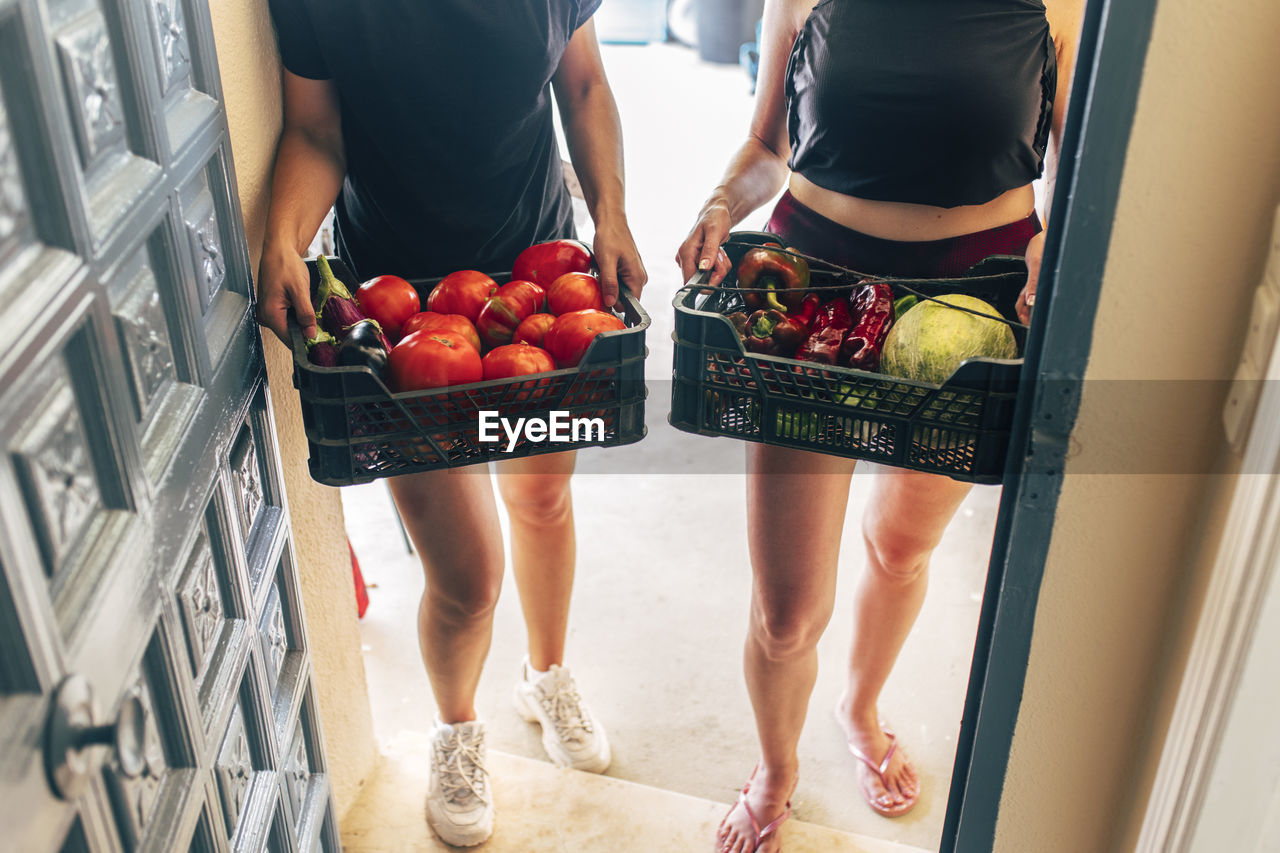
[362,594]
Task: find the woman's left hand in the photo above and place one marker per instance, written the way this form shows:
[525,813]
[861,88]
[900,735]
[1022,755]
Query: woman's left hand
[618,260]
[1027,298]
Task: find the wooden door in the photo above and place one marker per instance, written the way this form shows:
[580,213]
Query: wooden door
[155,683]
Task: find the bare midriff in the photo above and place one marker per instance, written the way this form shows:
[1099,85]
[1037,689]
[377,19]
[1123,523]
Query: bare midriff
[891,220]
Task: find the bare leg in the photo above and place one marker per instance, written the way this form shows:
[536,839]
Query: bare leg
[903,523]
[453,521]
[795,513]
[543,550]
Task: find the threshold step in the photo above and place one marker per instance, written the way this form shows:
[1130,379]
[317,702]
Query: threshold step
[542,808]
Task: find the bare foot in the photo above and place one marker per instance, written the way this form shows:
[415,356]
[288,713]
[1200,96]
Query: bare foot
[764,800]
[894,792]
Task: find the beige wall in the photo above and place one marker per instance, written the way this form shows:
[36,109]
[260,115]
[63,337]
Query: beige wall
[251,87]
[1130,554]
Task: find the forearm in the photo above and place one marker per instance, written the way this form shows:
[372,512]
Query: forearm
[593,132]
[755,174]
[308,175]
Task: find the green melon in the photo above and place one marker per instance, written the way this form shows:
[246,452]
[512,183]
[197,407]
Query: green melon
[931,340]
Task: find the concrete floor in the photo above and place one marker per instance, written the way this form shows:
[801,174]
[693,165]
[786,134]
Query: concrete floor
[661,598]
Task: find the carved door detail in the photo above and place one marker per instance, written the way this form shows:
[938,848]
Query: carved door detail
[155,686]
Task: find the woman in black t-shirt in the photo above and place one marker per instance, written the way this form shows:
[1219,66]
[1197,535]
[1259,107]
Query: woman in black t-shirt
[430,126]
[908,134]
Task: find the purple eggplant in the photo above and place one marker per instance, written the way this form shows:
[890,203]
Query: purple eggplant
[336,309]
[322,350]
[362,347]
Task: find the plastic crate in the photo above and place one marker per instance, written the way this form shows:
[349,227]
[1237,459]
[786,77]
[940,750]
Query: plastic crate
[960,428]
[359,430]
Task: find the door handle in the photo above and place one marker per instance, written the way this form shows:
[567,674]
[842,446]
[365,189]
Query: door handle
[70,732]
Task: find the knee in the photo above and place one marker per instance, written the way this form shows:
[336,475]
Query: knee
[896,553]
[784,631]
[539,499]
[464,600]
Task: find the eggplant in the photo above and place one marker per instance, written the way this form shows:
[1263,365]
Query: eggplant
[336,309]
[322,350]
[362,347]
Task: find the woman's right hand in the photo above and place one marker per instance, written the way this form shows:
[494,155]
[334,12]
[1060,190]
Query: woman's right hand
[284,283]
[701,249]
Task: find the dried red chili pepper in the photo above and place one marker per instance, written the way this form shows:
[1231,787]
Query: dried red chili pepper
[873,305]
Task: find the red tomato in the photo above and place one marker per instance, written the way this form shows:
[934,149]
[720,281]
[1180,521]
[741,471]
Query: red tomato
[390,300]
[500,316]
[574,291]
[528,293]
[545,262]
[517,360]
[462,292]
[433,358]
[570,335]
[447,322]
[533,328]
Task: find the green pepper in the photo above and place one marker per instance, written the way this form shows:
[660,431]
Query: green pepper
[784,275]
[903,304]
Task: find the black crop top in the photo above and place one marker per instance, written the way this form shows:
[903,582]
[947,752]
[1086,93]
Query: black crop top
[937,102]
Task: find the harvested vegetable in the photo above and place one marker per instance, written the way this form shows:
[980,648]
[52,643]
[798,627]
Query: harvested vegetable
[362,347]
[502,313]
[773,332]
[390,300]
[832,323]
[873,306]
[336,309]
[932,339]
[903,304]
[784,275]
[323,349]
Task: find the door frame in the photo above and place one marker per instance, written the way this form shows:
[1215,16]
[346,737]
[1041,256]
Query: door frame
[1244,573]
[1108,75]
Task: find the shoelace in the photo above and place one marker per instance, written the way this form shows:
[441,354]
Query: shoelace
[563,704]
[461,768]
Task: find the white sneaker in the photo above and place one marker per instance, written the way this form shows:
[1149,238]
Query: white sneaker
[571,734]
[459,804]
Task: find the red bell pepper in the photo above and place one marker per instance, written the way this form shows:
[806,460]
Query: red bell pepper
[873,304]
[772,332]
[784,275]
[739,320]
[831,324]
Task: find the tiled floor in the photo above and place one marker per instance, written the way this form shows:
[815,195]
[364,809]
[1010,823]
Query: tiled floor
[660,602]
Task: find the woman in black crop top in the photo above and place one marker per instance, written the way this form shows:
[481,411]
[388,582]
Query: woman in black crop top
[908,134]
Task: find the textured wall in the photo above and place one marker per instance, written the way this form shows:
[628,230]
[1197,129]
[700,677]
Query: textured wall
[1130,554]
[251,83]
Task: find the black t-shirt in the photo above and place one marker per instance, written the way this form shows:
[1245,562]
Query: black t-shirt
[451,153]
[938,102]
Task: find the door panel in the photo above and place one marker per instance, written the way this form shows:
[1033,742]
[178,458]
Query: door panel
[155,692]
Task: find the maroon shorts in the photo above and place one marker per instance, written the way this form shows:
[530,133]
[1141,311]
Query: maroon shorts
[814,234]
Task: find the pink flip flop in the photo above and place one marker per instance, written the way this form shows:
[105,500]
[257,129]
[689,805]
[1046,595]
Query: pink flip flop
[880,769]
[760,833]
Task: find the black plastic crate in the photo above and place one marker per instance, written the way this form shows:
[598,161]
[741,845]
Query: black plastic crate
[359,430]
[960,428]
